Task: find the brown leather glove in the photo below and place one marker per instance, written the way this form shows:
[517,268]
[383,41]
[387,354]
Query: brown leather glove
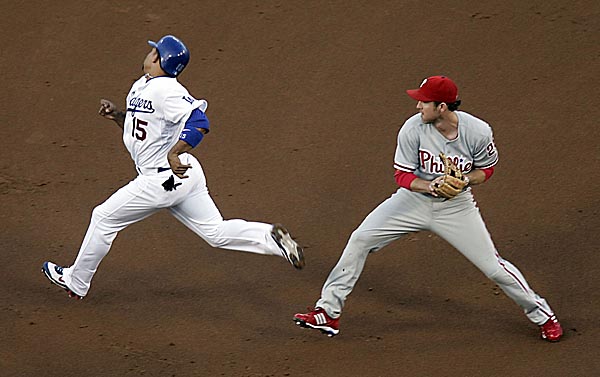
[453,181]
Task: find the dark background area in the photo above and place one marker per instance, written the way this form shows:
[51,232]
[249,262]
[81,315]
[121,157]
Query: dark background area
[305,102]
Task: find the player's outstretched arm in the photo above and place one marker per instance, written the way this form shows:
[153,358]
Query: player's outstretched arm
[110,111]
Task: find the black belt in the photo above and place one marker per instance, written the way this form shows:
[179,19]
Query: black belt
[151,170]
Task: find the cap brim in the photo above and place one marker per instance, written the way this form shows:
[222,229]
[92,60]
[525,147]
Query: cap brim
[153,44]
[416,94]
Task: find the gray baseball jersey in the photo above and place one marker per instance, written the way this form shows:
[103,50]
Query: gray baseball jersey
[473,148]
[456,220]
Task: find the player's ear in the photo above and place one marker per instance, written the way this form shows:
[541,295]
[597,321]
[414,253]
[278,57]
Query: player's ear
[156,56]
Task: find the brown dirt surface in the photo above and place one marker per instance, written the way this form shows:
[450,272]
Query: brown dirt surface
[306,99]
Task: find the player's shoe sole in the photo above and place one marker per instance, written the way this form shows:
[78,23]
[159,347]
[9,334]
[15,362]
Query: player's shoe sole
[54,273]
[292,252]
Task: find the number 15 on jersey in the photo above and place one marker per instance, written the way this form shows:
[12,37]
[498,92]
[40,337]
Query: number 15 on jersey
[138,130]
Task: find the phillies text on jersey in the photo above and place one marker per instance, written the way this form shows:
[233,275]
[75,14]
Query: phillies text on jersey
[473,148]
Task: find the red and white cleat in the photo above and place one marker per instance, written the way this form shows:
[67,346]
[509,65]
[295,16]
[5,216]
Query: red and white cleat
[318,319]
[551,330]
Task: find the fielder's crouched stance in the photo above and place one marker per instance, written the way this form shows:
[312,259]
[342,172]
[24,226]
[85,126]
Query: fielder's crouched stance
[434,195]
[163,122]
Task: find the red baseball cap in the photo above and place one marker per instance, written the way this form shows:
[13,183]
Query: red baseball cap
[435,88]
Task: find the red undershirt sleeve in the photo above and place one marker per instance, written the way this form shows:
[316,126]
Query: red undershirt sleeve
[404,179]
[488,172]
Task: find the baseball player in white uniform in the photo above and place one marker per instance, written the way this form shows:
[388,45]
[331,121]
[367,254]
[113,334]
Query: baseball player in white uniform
[162,122]
[467,141]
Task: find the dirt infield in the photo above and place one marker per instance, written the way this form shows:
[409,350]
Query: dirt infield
[306,99]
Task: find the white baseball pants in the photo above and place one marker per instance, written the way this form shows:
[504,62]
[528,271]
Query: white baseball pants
[189,202]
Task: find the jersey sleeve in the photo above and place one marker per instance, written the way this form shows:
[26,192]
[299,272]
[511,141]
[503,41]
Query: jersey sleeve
[405,159]
[485,154]
[179,107]
[192,132]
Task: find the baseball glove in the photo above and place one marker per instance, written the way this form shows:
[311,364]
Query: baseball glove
[452,182]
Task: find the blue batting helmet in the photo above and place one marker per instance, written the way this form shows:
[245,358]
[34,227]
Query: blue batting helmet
[174,56]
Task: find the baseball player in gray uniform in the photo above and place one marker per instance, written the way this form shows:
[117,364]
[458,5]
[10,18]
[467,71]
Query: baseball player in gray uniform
[438,135]
[161,123]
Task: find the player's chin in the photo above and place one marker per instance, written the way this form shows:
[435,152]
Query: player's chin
[424,119]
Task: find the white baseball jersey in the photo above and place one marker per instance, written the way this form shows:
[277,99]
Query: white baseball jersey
[156,112]
[419,146]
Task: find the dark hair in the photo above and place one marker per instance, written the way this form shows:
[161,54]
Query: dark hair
[451,106]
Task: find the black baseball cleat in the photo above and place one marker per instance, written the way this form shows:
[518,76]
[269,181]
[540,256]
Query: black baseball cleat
[289,248]
[54,273]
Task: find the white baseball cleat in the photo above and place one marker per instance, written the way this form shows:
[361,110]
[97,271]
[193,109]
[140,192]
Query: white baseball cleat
[289,248]
[54,273]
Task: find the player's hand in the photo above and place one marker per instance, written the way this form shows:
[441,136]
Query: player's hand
[107,109]
[177,167]
[434,184]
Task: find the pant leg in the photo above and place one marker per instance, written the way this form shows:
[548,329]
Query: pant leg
[459,222]
[199,213]
[402,213]
[126,206]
